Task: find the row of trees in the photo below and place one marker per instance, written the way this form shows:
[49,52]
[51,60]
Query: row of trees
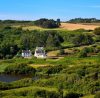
[84,20]
[13,21]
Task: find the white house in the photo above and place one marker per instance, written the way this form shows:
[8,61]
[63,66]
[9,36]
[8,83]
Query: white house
[40,52]
[26,53]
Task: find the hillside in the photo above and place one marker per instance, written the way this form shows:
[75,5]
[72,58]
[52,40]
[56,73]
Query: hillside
[72,66]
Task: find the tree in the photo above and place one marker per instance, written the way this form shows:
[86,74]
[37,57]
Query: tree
[53,40]
[82,39]
[8,50]
[25,41]
[47,23]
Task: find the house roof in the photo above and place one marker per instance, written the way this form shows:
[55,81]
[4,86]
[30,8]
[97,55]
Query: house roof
[39,50]
[26,51]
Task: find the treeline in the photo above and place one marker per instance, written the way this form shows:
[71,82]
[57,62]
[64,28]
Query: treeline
[47,23]
[84,20]
[14,21]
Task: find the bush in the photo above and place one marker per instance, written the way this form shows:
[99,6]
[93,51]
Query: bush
[20,69]
[83,53]
[72,95]
[97,38]
[82,39]
[97,31]
[52,94]
[81,72]
[54,70]
[40,93]
[61,52]
[97,95]
[46,94]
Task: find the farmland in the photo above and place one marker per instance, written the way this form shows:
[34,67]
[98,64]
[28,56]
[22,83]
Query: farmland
[65,26]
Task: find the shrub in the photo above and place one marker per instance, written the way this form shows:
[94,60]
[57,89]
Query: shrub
[82,39]
[54,70]
[81,72]
[46,94]
[97,31]
[97,38]
[61,52]
[40,93]
[20,69]
[72,95]
[7,27]
[97,95]
[83,53]
[52,94]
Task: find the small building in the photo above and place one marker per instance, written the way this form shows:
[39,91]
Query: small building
[40,52]
[26,53]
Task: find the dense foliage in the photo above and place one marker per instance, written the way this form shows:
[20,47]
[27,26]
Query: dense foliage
[97,95]
[20,69]
[46,23]
[82,39]
[14,40]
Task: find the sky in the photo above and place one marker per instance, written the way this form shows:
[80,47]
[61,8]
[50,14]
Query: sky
[51,9]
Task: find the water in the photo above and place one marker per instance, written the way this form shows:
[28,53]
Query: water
[11,78]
